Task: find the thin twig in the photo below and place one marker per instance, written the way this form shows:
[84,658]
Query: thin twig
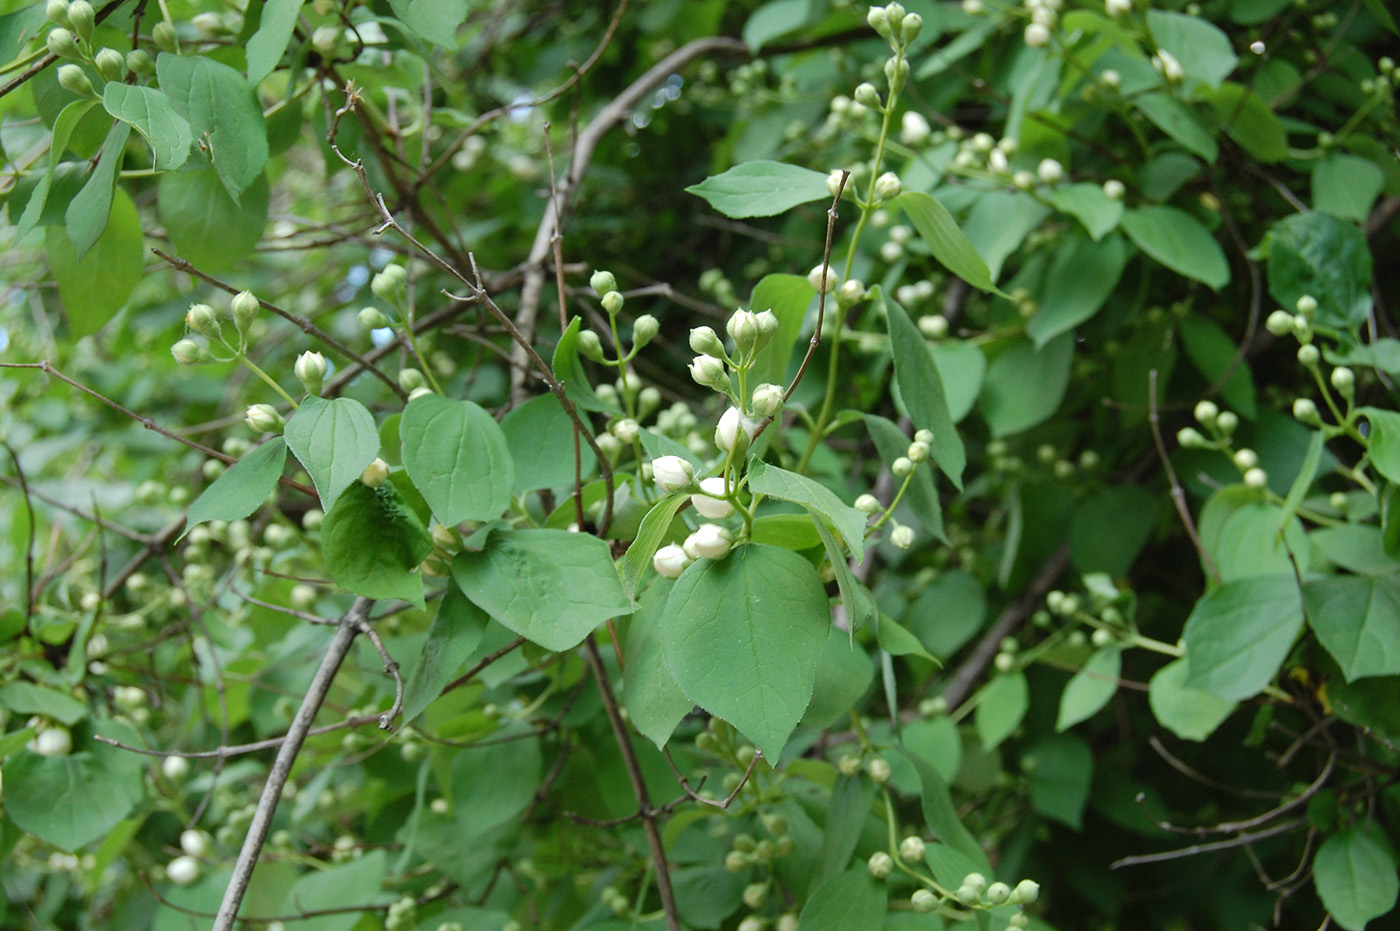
[29,534]
[816,340]
[639,786]
[1178,493]
[694,794]
[1227,844]
[286,756]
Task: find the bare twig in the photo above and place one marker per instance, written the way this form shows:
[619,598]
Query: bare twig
[639,786]
[694,794]
[29,593]
[831,215]
[1242,840]
[286,756]
[1178,493]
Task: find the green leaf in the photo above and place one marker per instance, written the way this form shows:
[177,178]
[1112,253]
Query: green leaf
[1188,713]
[949,244]
[1358,548]
[1355,878]
[456,454]
[1378,9]
[853,901]
[1180,123]
[650,535]
[95,287]
[1240,533]
[1001,708]
[788,296]
[568,368]
[26,698]
[243,488]
[1080,280]
[1383,354]
[897,641]
[999,222]
[1061,771]
[707,894]
[1303,481]
[334,440]
[743,636]
[1346,185]
[265,47]
[152,115]
[67,121]
[435,20]
[948,613]
[1357,618]
[922,390]
[765,479]
[774,19]
[655,703]
[1110,528]
[456,631]
[790,531]
[540,440]
[550,586]
[1024,386]
[1320,255]
[356,882]
[1212,351]
[1088,204]
[71,801]
[922,493]
[88,212]
[1090,688]
[1205,52]
[855,601]
[942,815]
[761,189]
[1250,122]
[846,817]
[206,226]
[217,100]
[491,785]
[844,673]
[1239,634]
[1179,241]
[1384,448]
[961,367]
[17,28]
[373,542]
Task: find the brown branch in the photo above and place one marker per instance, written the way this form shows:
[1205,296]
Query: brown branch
[639,786]
[831,215]
[286,756]
[1242,840]
[1178,492]
[29,594]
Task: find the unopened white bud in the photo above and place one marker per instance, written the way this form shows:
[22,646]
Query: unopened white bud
[706,341]
[851,291]
[602,283]
[912,848]
[710,541]
[670,561]
[914,128]
[867,96]
[1113,189]
[175,768]
[710,502]
[880,864]
[742,327]
[868,504]
[644,330]
[833,180]
[672,474]
[1050,171]
[188,352]
[1168,66]
[1190,438]
[183,871]
[888,186]
[263,418]
[933,326]
[1256,478]
[902,536]
[310,370]
[767,400]
[902,466]
[918,452]
[375,474]
[1206,412]
[1036,36]
[708,372]
[734,431]
[612,302]
[1307,305]
[824,283]
[1118,7]
[202,319]
[1279,323]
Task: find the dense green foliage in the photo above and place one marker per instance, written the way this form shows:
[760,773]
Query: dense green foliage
[703,464]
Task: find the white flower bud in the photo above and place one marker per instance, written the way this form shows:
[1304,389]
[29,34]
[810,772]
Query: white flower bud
[670,561]
[998,893]
[111,64]
[1050,171]
[896,71]
[626,430]
[1113,189]
[825,284]
[310,370]
[902,466]
[1246,458]
[612,302]
[183,871]
[710,502]
[1256,478]
[1023,179]
[734,431]
[888,186]
[972,7]
[590,346]
[710,541]
[1309,356]
[768,324]
[202,319]
[371,318]
[902,536]
[867,96]
[1168,66]
[82,17]
[909,29]
[742,327]
[880,863]
[188,352]
[419,392]
[918,451]
[602,283]
[767,400]
[389,283]
[1307,305]
[708,372]
[195,843]
[1026,892]
[263,418]
[868,504]
[851,291]
[1118,7]
[375,474]
[705,341]
[1206,412]
[1279,323]
[1112,78]
[914,128]
[933,326]
[245,308]
[644,330]
[53,740]
[833,179]
[672,474]
[1190,438]
[1344,380]
[1036,36]
[411,378]
[912,848]
[175,768]
[57,12]
[923,901]
[1305,411]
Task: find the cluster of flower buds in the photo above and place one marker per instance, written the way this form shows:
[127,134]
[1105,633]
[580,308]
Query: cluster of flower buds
[204,321]
[894,25]
[1043,16]
[709,541]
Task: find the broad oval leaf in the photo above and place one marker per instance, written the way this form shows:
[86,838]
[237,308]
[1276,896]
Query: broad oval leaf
[96,286]
[743,637]
[1179,122]
[218,101]
[779,483]
[1179,241]
[655,703]
[243,488]
[1188,713]
[456,454]
[1326,258]
[550,586]
[1202,48]
[761,189]
[90,209]
[853,901]
[205,225]
[456,631]
[334,439]
[788,297]
[1355,878]
[1024,386]
[1357,618]
[921,387]
[1088,204]
[1004,703]
[1090,688]
[1082,276]
[1238,635]
[373,542]
[265,47]
[152,115]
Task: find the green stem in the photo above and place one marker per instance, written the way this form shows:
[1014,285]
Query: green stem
[253,367]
